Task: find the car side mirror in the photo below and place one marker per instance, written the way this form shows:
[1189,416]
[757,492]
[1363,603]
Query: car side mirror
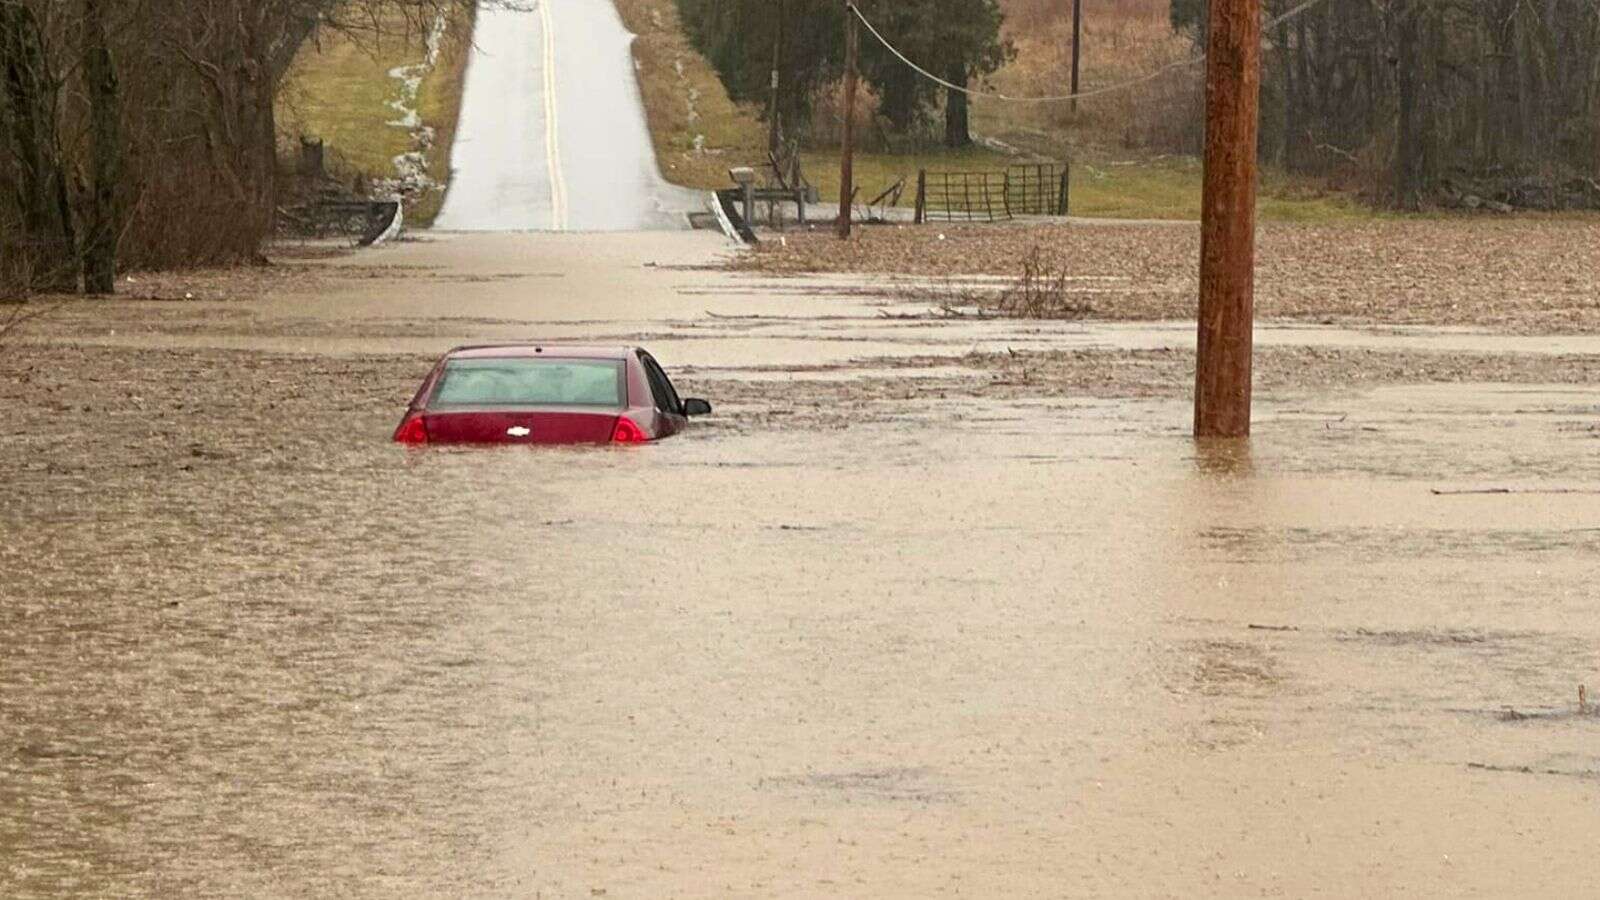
[696,407]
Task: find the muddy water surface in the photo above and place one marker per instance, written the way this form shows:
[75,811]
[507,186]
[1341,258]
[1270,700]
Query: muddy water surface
[897,647]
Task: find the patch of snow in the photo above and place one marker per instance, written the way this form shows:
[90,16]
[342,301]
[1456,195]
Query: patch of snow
[411,167]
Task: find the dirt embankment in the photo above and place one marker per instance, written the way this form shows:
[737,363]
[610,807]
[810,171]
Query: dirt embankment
[1524,275]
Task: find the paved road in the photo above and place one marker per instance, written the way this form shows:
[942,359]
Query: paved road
[552,134]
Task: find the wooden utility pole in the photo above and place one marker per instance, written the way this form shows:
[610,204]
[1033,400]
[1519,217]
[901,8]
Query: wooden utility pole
[847,191]
[1228,220]
[773,129]
[1077,38]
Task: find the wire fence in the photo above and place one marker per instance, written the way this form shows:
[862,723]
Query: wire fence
[962,196]
[1039,189]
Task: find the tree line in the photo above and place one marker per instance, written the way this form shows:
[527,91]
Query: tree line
[1440,99]
[143,133]
[803,41]
[1426,101]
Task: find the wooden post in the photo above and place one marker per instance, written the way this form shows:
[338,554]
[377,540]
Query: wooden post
[1077,38]
[847,150]
[922,197]
[1228,221]
[773,130]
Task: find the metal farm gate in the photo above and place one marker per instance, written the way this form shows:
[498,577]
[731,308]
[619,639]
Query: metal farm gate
[988,196]
[961,196]
[1037,190]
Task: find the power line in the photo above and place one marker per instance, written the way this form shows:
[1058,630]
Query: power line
[1121,85]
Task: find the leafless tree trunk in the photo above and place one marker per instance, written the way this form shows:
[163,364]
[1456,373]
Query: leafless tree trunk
[29,92]
[1286,151]
[1501,97]
[105,113]
[957,132]
[1409,141]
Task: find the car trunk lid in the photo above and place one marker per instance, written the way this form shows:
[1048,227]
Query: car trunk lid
[520,426]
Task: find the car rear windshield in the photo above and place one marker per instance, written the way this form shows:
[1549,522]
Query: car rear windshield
[516,381]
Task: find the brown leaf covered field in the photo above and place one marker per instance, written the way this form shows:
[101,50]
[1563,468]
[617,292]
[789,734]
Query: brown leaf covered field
[1523,275]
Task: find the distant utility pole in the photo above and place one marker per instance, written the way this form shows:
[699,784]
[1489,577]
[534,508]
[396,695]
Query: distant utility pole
[847,191]
[1228,221]
[1077,39]
[777,59]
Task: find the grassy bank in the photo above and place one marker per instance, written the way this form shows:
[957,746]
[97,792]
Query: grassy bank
[341,90]
[698,132]
[1170,189]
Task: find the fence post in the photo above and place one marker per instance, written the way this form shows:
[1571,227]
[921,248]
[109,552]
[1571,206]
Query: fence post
[1062,202]
[922,197]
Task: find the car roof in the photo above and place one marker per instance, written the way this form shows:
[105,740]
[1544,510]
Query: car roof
[545,351]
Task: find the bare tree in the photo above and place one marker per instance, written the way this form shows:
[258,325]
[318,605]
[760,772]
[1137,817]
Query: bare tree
[32,164]
[105,153]
[1438,97]
[145,131]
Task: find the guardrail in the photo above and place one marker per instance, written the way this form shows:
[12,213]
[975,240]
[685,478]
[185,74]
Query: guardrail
[727,206]
[365,221]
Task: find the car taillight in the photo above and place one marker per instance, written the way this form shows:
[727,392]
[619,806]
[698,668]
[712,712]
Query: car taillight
[411,430]
[627,432]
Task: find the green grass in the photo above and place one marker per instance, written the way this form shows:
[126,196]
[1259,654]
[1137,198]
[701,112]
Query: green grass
[1160,189]
[340,91]
[874,172]
[1170,189]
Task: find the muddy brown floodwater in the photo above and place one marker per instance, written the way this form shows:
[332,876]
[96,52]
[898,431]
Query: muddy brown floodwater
[914,614]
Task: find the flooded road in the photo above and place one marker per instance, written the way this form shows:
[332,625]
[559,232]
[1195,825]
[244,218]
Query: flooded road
[834,642]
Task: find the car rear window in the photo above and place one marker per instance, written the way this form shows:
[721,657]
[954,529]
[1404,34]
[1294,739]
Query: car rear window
[516,381]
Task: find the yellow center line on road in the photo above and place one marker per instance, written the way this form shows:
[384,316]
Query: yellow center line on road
[552,143]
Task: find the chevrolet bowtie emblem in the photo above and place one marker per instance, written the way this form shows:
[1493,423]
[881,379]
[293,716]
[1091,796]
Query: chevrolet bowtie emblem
[518,431]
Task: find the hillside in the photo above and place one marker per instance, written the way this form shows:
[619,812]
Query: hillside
[1123,40]
[699,133]
[1132,151]
[385,107]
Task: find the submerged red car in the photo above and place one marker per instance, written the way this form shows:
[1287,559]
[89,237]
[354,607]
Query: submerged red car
[546,394]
